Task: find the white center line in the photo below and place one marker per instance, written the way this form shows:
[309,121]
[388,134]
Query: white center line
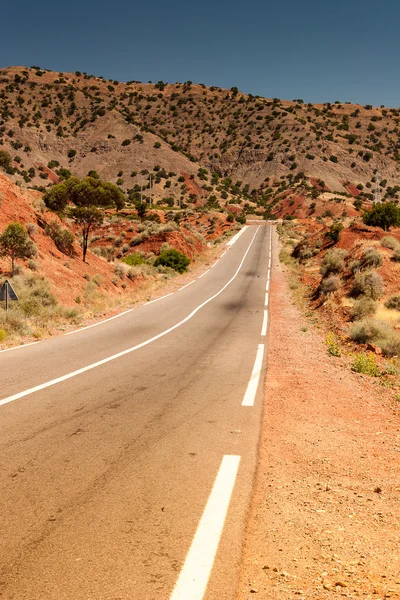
[104,361]
[100,322]
[265,324]
[193,579]
[250,395]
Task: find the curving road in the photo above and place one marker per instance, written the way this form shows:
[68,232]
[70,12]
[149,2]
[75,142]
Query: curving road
[128,449]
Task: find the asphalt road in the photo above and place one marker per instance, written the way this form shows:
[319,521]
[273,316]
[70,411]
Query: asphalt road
[126,455]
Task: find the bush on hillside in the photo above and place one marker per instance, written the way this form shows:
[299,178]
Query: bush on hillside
[393,303]
[330,284]
[371,258]
[380,333]
[5,160]
[390,242]
[369,284]
[335,231]
[134,259]
[363,308]
[396,256]
[15,243]
[173,259]
[333,262]
[63,239]
[384,215]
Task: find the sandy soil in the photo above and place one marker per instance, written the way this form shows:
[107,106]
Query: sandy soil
[325,519]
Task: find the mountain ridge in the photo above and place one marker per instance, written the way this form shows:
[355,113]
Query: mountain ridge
[235,148]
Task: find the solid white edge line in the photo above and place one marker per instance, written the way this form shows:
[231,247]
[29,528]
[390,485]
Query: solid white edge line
[265,324]
[205,273]
[216,262]
[18,347]
[100,322]
[266,299]
[223,254]
[267,286]
[104,361]
[250,395]
[157,299]
[187,285]
[195,574]
[237,236]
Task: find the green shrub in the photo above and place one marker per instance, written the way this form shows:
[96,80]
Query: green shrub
[63,238]
[173,259]
[369,283]
[3,335]
[134,259]
[366,364]
[384,215]
[334,231]
[365,307]
[390,242]
[393,303]
[333,262]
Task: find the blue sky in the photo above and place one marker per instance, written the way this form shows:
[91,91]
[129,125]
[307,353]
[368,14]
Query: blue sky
[311,49]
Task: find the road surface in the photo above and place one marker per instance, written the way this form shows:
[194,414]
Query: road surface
[128,449]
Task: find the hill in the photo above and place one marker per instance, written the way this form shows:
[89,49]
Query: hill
[200,144]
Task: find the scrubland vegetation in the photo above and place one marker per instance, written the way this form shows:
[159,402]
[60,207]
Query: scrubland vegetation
[354,296]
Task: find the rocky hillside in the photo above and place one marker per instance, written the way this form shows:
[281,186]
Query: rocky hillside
[199,144]
[119,236]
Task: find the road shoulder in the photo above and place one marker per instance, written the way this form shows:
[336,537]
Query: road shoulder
[324,516]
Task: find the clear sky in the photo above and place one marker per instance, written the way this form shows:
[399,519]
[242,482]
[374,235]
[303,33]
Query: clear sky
[318,50]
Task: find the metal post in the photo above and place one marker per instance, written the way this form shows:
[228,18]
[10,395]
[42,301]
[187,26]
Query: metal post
[6,297]
[150,191]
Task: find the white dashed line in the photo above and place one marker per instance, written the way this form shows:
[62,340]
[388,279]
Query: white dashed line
[100,322]
[265,324]
[104,361]
[193,579]
[266,299]
[252,387]
[267,286]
